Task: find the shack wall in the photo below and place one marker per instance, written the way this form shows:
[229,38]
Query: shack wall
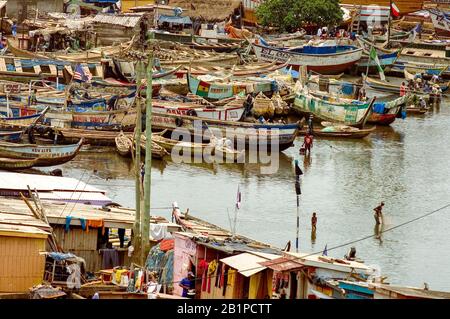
[81,243]
[108,34]
[21,265]
[184,253]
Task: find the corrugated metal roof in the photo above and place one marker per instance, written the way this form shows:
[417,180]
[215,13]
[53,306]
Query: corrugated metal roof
[248,264]
[126,20]
[282,264]
[18,181]
[20,231]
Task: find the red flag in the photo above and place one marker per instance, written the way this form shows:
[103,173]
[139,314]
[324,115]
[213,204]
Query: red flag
[395,10]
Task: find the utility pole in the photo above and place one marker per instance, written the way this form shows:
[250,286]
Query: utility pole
[137,165]
[145,221]
[298,172]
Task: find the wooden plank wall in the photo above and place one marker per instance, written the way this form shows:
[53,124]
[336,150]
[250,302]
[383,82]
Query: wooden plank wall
[21,266]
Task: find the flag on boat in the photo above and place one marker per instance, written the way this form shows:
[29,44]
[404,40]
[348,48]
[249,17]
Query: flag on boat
[325,251]
[81,74]
[238,198]
[395,10]
[374,56]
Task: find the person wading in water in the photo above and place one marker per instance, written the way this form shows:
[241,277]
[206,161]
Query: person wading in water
[378,213]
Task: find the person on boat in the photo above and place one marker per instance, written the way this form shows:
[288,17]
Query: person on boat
[423,103]
[362,94]
[187,284]
[351,255]
[314,222]
[378,212]
[319,32]
[435,78]
[403,89]
[33,99]
[308,143]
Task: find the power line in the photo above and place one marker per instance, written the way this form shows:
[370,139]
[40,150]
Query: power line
[340,245]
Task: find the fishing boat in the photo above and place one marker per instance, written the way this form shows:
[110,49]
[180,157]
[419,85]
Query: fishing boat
[385,113]
[217,47]
[124,144]
[332,59]
[217,149]
[46,155]
[270,135]
[441,22]
[386,60]
[158,152]
[413,110]
[11,136]
[252,69]
[224,113]
[341,131]
[124,119]
[393,88]
[215,88]
[333,109]
[22,120]
[15,164]
[182,147]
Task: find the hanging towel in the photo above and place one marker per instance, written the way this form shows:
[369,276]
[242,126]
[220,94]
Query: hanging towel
[96,223]
[158,231]
[68,220]
[83,223]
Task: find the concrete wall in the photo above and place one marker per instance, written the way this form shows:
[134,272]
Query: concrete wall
[14,8]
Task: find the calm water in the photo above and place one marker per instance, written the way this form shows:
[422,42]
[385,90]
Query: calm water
[405,165]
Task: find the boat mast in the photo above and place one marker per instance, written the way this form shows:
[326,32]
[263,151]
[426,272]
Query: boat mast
[145,220]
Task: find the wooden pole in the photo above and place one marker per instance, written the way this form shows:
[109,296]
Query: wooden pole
[389,23]
[148,161]
[137,163]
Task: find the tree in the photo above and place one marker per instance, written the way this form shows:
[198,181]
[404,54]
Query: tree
[289,15]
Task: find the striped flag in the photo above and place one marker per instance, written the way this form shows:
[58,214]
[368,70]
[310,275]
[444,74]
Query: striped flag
[81,75]
[395,10]
[238,198]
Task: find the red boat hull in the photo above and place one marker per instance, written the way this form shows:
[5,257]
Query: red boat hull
[381,119]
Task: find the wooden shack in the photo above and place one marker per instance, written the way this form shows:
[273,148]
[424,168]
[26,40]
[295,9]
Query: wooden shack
[21,260]
[114,29]
[68,222]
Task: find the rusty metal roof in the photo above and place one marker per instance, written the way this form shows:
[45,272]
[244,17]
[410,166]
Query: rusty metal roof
[282,264]
[129,20]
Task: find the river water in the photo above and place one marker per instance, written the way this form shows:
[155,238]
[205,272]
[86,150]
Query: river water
[405,165]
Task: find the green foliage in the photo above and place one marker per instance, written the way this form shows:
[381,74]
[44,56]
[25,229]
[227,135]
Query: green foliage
[289,15]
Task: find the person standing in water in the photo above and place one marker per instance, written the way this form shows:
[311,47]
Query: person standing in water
[378,213]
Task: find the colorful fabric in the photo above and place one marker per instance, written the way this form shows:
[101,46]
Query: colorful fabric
[68,220]
[374,57]
[94,223]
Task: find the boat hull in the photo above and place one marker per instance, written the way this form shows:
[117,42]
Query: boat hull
[271,136]
[320,63]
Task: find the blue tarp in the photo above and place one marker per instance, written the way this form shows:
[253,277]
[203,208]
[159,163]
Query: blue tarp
[378,108]
[174,19]
[61,256]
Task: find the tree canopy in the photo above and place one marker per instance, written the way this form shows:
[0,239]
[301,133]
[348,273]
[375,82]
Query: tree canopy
[289,15]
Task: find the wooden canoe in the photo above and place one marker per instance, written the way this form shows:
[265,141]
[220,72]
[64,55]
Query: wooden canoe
[14,163]
[272,135]
[11,136]
[183,148]
[416,110]
[46,155]
[124,144]
[348,134]
[158,151]
[217,47]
